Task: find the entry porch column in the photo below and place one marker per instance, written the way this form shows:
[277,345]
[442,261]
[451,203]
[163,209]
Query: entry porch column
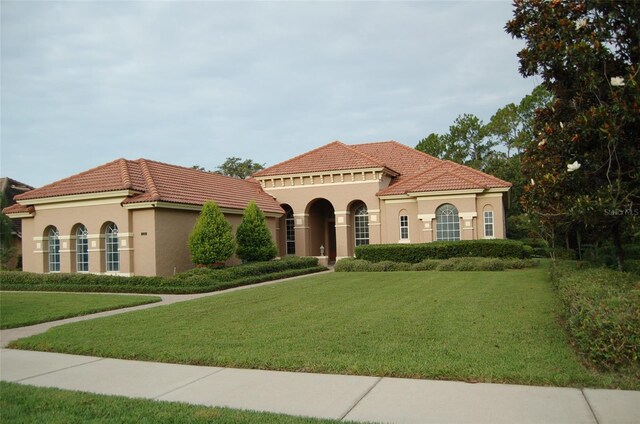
[344,249]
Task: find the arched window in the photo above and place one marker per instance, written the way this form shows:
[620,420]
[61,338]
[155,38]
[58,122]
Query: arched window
[361,225]
[290,232]
[111,247]
[82,249]
[447,223]
[53,240]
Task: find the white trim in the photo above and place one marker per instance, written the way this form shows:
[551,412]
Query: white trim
[425,197]
[309,185]
[189,207]
[426,216]
[80,197]
[467,215]
[400,201]
[17,215]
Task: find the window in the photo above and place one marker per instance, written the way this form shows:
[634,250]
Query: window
[361,222]
[447,223]
[111,248]
[54,249]
[404,227]
[291,233]
[82,249]
[488,224]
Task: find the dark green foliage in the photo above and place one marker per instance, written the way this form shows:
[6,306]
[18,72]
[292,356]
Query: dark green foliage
[253,236]
[451,264]
[238,168]
[414,253]
[198,280]
[211,241]
[601,313]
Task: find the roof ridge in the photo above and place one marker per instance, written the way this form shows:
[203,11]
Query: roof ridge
[484,174]
[299,156]
[419,174]
[463,177]
[148,179]
[355,150]
[124,173]
[404,146]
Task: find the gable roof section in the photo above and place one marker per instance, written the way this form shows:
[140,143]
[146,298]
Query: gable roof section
[334,156]
[446,176]
[403,159]
[152,181]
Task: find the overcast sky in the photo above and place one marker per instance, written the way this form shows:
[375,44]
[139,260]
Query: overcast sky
[84,83]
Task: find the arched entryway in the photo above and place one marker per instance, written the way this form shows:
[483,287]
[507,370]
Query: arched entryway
[322,228]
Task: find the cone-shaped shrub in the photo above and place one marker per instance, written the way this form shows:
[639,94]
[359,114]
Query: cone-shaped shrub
[253,236]
[211,240]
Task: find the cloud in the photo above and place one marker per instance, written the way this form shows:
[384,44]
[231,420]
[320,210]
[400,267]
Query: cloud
[195,82]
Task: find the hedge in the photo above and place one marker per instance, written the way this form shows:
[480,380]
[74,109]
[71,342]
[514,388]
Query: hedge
[414,253]
[601,311]
[197,280]
[451,264]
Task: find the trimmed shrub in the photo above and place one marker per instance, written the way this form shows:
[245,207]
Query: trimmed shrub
[414,253]
[601,309]
[198,280]
[211,240]
[253,236]
[451,264]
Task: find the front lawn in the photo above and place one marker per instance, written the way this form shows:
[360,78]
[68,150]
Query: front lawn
[472,326]
[20,309]
[28,404]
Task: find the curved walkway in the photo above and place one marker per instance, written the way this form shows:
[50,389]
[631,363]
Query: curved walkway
[342,397]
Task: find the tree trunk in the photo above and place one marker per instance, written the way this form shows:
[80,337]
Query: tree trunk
[617,242]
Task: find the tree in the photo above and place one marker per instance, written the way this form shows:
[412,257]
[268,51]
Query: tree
[434,145]
[238,168]
[211,240]
[469,135]
[6,248]
[582,165]
[253,236]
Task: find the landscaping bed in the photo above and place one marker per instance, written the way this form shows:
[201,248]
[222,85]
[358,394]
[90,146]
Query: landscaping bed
[470,326]
[21,309]
[601,312]
[198,280]
[451,264]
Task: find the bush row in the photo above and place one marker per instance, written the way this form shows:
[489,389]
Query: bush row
[198,280]
[601,310]
[414,253]
[451,264]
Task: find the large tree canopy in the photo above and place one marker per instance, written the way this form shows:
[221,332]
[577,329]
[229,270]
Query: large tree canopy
[582,167]
[236,167]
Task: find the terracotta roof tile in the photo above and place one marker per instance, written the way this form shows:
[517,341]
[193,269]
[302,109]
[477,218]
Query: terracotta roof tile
[18,208]
[330,157]
[399,157]
[156,181]
[443,177]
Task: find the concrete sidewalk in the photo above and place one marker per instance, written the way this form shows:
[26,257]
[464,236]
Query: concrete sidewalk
[356,398]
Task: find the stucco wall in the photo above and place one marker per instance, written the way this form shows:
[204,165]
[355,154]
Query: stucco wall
[65,218]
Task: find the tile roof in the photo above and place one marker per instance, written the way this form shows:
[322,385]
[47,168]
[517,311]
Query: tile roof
[330,157]
[445,176]
[156,181]
[414,170]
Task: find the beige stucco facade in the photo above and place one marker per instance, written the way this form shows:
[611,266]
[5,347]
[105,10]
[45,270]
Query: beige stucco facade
[323,207]
[152,238]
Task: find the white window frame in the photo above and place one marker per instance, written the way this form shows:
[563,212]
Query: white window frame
[53,247]
[111,248]
[82,249]
[290,233]
[361,225]
[489,224]
[447,223]
[404,228]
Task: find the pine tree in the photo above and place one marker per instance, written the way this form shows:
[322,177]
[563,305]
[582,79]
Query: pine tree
[254,238]
[211,240]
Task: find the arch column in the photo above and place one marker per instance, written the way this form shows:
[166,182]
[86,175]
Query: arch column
[344,248]
[301,227]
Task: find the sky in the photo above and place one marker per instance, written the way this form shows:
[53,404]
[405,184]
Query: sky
[193,83]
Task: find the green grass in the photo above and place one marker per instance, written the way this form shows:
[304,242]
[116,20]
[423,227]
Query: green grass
[472,326]
[28,404]
[20,309]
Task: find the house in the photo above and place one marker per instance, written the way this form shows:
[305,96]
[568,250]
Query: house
[134,217]
[9,189]
[127,217]
[339,196]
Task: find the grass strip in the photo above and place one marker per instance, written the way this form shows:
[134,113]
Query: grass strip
[21,309]
[28,404]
